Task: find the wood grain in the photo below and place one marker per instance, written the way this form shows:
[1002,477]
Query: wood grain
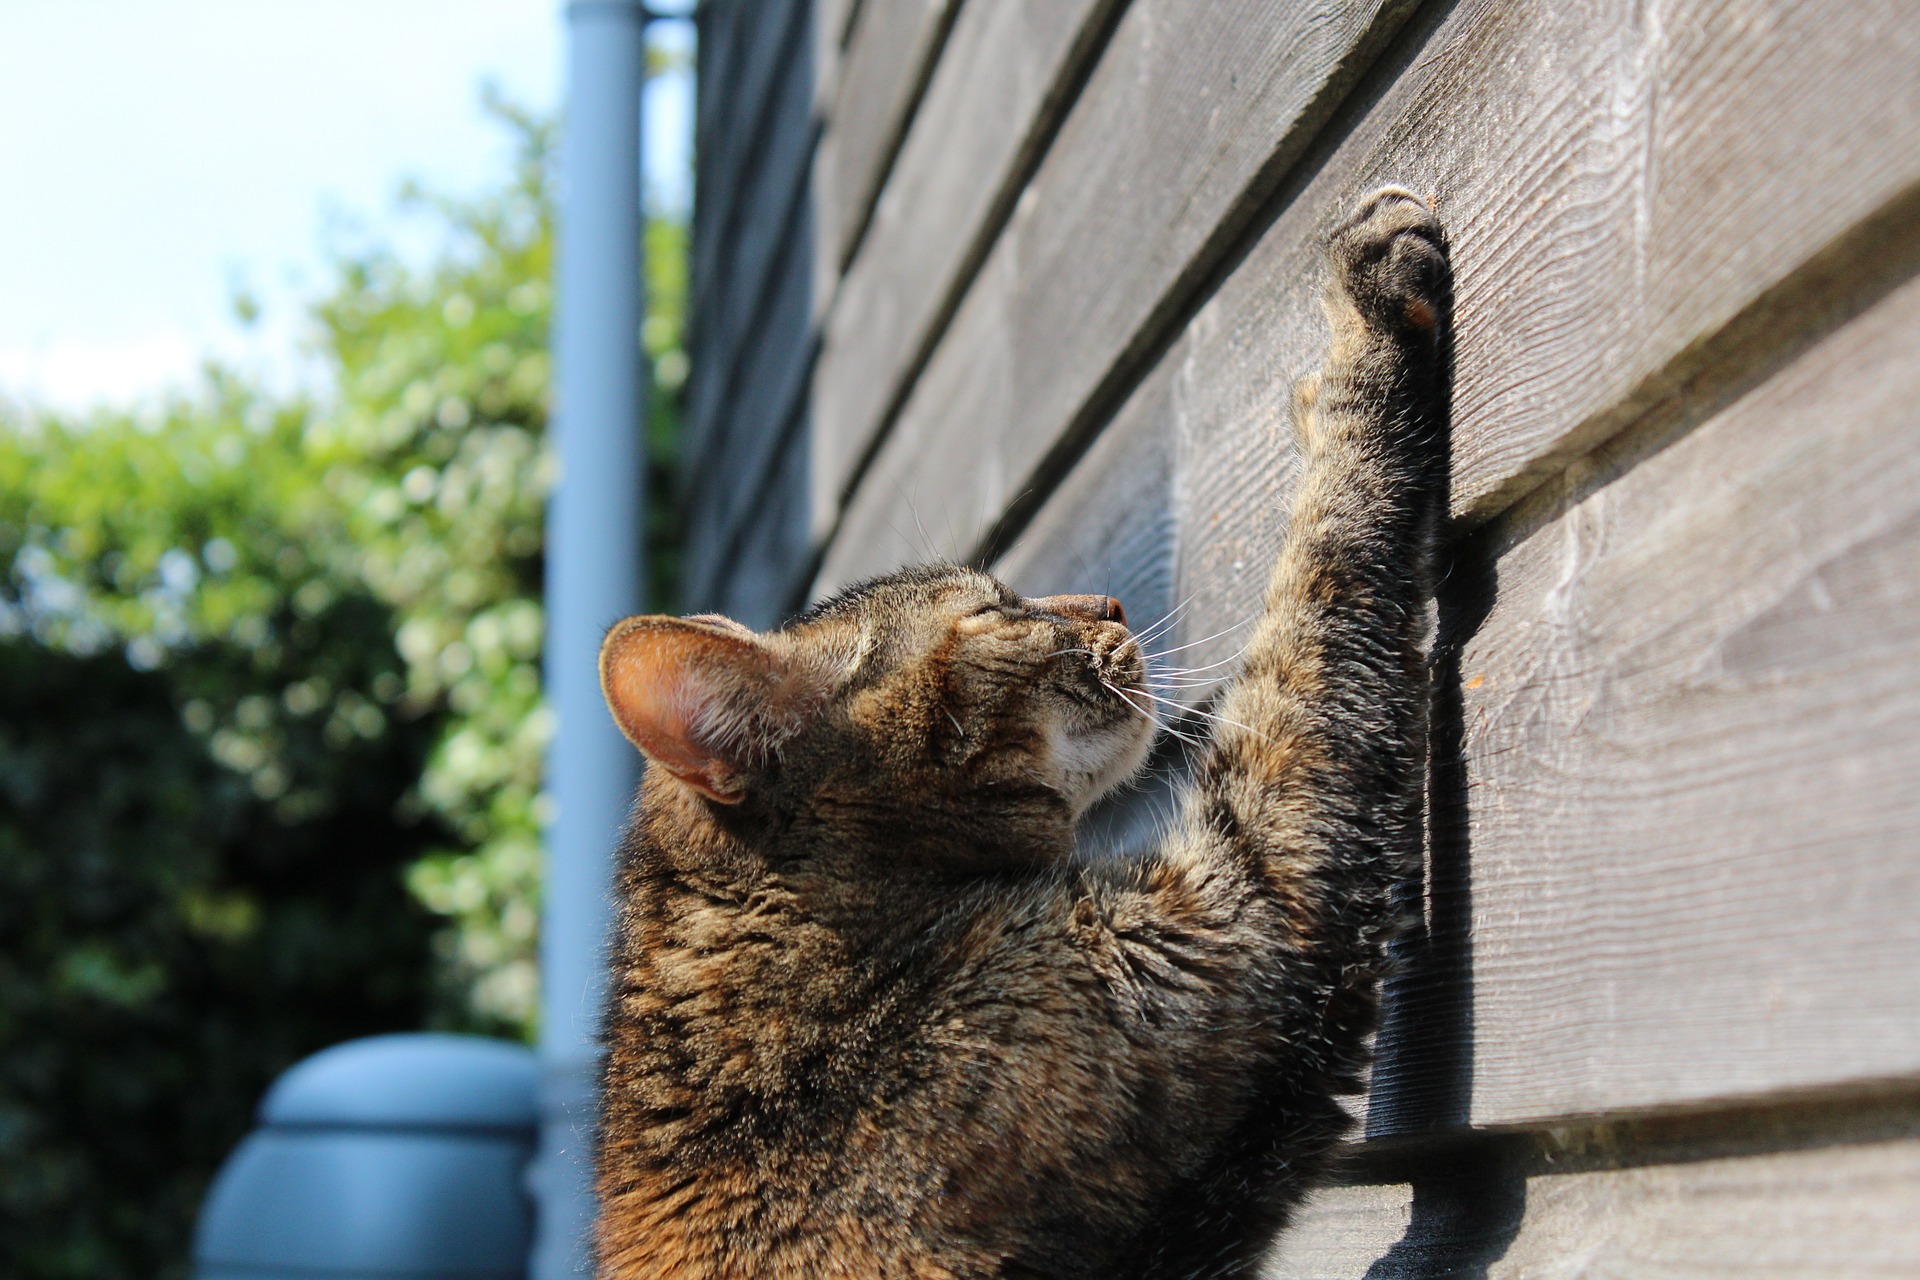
[1192,114]
[834,24]
[882,73]
[1690,726]
[1656,178]
[728,483]
[987,98]
[715,61]
[774,225]
[716,53]
[995,95]
[1618,187]
[771,39]
[1804,1213]
[1799,1214]
[718,25]
[1110,526]
[765,561]
[769,214]
[767,35]
[1340,1233]
[1692,734]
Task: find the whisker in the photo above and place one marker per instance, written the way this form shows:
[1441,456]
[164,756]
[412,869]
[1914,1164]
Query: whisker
[1199,673]
[1210,668]
[1191,677]
[1238,654]
[1145,712]
[1173,615]
[1214,716]
[1196,677]
[1204,639]
[1169,727]
[1160,627]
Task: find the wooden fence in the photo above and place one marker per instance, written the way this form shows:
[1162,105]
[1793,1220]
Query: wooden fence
[1029,281]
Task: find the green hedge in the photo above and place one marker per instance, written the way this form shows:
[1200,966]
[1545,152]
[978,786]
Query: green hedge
[271,729]
[173,942]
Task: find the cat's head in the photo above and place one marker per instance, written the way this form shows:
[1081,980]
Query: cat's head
[936,682]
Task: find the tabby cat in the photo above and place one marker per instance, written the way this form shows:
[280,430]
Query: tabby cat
[869,1014]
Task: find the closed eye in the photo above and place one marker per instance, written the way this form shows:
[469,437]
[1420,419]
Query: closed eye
[988,617]
[1007,608]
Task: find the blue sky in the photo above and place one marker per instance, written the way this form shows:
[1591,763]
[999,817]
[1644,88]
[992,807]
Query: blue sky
[154,154]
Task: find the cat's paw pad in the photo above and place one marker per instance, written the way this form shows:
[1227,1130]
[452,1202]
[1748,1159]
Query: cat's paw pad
[1390,258]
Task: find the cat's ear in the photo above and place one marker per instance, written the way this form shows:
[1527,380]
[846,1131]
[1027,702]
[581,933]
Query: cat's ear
[704,698]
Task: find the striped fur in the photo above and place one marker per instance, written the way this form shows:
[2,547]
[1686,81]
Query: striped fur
[869,1016]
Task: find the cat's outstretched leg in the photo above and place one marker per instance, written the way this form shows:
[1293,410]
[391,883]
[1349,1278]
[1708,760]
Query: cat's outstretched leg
[1319,757]
[1316,766]
[1308,798]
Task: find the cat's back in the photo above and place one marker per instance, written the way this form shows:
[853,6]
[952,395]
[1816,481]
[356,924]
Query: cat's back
[785,1100]
[759,1067]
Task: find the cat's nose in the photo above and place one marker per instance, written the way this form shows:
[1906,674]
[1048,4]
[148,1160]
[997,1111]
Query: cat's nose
[1085,608]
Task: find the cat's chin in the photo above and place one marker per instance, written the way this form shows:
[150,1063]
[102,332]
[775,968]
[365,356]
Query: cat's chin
[1093,764]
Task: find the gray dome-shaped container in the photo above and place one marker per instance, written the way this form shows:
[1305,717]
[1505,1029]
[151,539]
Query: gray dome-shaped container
[396,1156]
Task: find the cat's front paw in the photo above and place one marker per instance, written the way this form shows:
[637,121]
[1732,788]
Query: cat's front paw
[1390,262]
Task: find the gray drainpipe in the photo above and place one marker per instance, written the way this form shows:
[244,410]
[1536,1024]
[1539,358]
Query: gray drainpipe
[593,579]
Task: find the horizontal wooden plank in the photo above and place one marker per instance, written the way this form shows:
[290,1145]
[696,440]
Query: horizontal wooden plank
[1841,1212]
[730,481]
[1618,190]
[1110,526]
[1803,1212]
[1341,1233]
[770,34]
[767,217]
[773,37]
[995,95]
[834,23]
[883,70]
[1191,116]
[773,224]
[769,555]
[715,56]
[719,56]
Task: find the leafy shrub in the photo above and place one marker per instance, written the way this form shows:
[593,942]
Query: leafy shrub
[270,720]
[174,939]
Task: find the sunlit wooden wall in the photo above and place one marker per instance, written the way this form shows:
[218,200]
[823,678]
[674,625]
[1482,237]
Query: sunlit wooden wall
[1028,282]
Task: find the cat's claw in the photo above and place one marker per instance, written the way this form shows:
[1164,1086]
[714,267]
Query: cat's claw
[1390,259]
